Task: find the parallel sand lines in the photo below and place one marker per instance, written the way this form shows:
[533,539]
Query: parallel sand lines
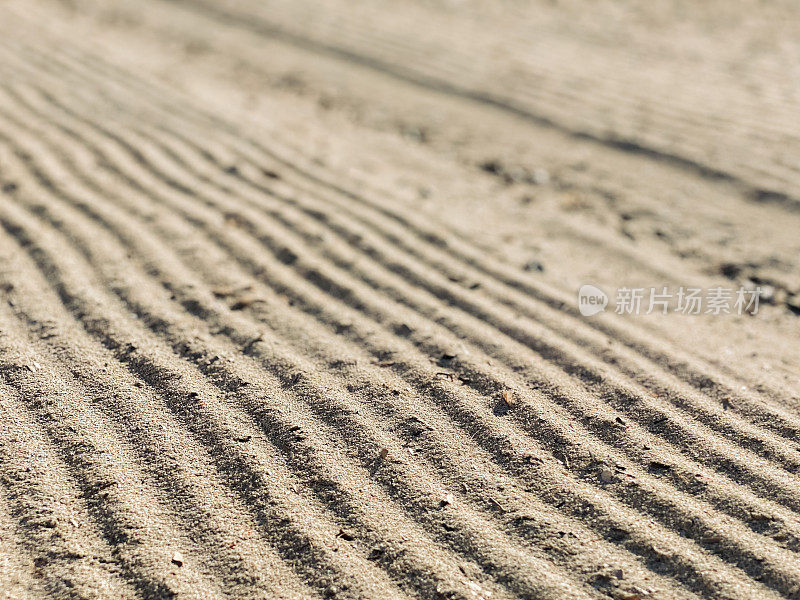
[590,369]
[120,502]
[714,408]
[423,479]
[177,462]
[612,419]
[152,378]
[700,379]
[245,472]
[16,563]
[47,511]
[673,357]
[435,497]
[584,360]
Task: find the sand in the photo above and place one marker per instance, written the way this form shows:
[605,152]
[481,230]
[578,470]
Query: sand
[288,299]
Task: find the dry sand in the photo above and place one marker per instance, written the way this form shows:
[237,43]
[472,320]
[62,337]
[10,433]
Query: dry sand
[288,299]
